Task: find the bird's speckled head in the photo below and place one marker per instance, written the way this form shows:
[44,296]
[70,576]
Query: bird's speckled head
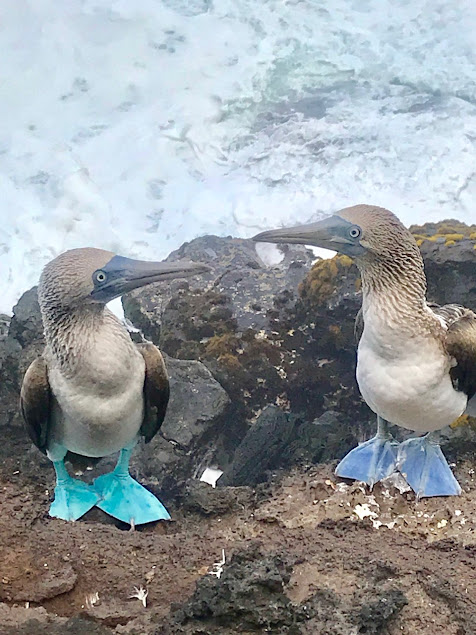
[364,232]
[86,276]
[378,231]
[383,248]
[68,279]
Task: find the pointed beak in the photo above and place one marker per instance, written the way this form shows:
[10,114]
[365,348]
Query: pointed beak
[329,233]
[122,275]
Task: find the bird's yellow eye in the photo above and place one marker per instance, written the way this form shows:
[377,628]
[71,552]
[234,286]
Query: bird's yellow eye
[100,276]
[355,232]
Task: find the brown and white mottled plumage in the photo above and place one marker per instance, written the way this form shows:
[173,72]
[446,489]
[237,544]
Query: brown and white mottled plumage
[84,341]
[35,399]
[416,363]
[393,279]
[94,392]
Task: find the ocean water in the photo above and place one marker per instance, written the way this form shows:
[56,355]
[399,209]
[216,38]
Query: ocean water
[135,126]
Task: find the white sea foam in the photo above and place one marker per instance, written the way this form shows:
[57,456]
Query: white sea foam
[134,126]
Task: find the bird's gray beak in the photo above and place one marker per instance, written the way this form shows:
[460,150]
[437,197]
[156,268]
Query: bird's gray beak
[122,275]
[332,233]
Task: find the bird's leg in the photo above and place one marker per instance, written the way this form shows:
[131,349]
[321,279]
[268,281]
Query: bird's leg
[424,467]
[373,460]
[124,498]
[73,498]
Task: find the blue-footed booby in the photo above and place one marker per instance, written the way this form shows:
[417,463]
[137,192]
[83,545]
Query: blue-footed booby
[416,363]
[94,392]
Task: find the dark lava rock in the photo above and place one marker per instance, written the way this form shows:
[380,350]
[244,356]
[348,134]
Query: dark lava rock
[19,346]
[22,344]
[241,291]
[374,617]
[279,440]
[263,444]
[451,272]
[249,595]
[4,325]
[198,409]
[279,335]
[196,405]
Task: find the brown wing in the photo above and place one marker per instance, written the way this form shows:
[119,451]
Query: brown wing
[156,390]
[359,325]
[461,345]
[35,399]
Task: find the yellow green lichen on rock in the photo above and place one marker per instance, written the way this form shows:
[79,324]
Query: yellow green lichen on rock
[321,281]
[448,231]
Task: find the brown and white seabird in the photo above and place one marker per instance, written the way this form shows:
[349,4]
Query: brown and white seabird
[94,392]
[416,363]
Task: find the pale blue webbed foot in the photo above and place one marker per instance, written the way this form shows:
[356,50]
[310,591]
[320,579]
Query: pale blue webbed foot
[73,498]
[373,460]
[424,467]
[125,499]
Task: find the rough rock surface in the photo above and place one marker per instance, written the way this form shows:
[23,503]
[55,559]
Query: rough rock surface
[251,595]
[198,409]
[15,620]
[241,290]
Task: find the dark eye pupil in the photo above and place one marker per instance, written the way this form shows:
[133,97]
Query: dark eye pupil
[100,277]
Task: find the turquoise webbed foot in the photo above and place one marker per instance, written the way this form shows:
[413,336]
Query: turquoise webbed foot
[73,498]
[424,467]
[125,499]
[373,460]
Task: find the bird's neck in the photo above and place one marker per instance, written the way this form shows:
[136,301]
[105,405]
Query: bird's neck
[394,296]
[75,338]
